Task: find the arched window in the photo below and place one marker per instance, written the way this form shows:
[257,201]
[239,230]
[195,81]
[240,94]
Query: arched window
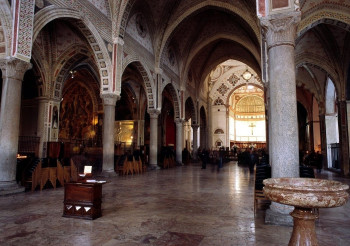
[219,101]
[219,131]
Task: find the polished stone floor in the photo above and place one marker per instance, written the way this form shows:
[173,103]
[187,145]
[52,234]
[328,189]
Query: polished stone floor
[181,206]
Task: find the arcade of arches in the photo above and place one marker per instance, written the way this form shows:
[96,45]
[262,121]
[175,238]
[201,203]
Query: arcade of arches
[104,77]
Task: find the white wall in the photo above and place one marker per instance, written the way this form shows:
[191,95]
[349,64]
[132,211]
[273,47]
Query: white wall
[219,121]
[244,132]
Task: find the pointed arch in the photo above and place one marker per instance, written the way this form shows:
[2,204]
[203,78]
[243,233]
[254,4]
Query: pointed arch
[175,98]
[191,10]
[318,62]
[332,16]
[123,12]
[203,127]
[190,110]
[146,76]
[101,54]
[61,73]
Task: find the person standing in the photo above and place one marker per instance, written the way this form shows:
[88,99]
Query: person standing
[204,157]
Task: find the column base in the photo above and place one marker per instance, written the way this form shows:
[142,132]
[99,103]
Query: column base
[10,187]
[107,174]
[153,167]
[279,214]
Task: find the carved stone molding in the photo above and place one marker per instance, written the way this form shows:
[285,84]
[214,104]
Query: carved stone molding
[179,122]
[281,29]
[158,70]
[118,40]
[110,99]
[153,113]
[14,68]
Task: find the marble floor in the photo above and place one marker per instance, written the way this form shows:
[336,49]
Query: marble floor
[180,206]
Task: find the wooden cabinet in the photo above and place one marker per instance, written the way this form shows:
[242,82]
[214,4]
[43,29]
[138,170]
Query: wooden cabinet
[82,200]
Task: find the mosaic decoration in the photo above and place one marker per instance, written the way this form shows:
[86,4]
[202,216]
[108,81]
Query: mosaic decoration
[147,85]
[233,79]
[124,19]
[23,29]
[176,101]
[222,89]
[312,20]
[100,20]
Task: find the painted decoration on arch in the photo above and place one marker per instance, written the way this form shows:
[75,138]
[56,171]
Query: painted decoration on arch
[23,12]
[101,5]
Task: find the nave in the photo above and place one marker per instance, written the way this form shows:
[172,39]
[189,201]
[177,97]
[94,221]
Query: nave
[180,206]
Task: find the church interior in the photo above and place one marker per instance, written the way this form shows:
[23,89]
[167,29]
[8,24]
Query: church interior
[182,107]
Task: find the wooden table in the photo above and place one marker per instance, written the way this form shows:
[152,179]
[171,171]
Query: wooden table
[83,200]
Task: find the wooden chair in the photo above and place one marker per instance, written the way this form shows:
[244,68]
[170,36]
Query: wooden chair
[119,165]
[73,171]
[66,174]
[36,177]
[128,166]
[166,162]
[172,162]
[135,165]
[45,174]
[53,176]
[139,163]
[60,173]
[260,173]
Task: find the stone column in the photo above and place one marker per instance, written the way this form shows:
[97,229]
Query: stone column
[42,127]
[140,132]
[283,131]
[153,146]
[343,138]
[323,136]
[195,140]
[109,101]
[12,70]
[267,116]
[207,132]
[311,134]
[227,126]
[179,140]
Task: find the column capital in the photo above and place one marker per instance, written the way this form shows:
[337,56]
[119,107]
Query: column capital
[118,40]
[14,68]
[195,126]
[110,99]
[153,113]
[280,29]
[179,121]
[158,70]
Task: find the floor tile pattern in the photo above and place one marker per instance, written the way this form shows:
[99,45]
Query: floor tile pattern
[181,206]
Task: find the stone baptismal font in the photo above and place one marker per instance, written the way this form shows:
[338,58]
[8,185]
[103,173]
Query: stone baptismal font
[306,195]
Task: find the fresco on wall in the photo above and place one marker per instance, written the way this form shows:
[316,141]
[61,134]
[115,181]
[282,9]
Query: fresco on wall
[76,117]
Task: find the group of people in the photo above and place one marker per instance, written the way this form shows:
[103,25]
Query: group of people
[215,157]
[312,158]
[251,157]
